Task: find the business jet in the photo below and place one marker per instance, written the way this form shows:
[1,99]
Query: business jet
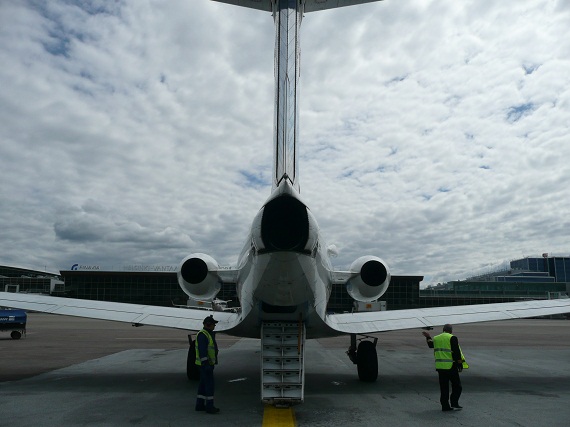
[284,275]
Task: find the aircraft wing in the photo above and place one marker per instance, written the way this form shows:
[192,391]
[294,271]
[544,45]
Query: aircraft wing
[310,5]
[172,317]
[380,321]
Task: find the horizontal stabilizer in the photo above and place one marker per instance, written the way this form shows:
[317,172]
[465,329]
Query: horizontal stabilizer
[310,5]
[316,5]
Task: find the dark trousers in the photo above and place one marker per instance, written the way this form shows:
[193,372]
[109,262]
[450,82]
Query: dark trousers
[206,387]
[447,376]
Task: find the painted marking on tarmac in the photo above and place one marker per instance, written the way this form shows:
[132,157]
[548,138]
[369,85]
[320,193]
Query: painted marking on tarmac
[162,338]
[278,417]
[144,339]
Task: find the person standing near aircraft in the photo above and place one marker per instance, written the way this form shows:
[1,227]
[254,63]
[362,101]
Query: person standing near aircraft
[449,361]
[206,358]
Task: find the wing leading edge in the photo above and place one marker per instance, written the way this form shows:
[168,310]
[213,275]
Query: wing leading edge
[171,317]
[380,321]
[310,5]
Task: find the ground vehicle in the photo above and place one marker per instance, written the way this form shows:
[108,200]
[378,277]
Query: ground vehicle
[15,321]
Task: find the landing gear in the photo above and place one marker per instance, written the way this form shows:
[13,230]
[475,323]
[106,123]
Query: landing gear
[365,358]
[367,361]
[192,370]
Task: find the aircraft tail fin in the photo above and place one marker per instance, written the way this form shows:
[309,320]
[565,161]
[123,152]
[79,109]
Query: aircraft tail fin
[287,15]
[286,113]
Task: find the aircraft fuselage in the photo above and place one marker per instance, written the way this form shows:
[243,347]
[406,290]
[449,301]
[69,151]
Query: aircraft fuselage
[284,275]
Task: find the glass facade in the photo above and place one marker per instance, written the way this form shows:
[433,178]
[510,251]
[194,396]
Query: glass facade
[445,299]
[162,289]
[530,264]
[8,271]
[467,292]
[516,289]
[13,279]
[527,278]
[25,284]
[147,288]
[403,292]
[557,267]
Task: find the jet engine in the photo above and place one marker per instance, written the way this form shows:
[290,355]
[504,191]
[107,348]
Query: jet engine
[371,280]
[198,277]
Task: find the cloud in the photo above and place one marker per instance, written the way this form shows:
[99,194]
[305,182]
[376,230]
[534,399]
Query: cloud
[433,134]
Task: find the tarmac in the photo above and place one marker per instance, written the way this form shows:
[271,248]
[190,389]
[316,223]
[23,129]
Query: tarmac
[80,372]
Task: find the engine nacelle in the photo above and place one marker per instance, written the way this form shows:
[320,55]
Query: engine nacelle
[198,277]
[372,280]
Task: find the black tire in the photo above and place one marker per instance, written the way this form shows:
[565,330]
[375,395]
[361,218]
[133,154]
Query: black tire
[367,361]
[192,370]
[16,335]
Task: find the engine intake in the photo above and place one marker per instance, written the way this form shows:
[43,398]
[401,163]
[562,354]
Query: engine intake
[198,277]
[372,279]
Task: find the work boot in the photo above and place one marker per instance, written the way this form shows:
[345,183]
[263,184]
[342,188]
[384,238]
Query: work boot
[212,410]
[200,404]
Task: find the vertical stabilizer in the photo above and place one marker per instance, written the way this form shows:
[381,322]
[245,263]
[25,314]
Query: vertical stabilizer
[287,16]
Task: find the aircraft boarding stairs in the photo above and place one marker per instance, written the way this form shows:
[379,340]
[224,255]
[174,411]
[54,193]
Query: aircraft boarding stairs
[282,363]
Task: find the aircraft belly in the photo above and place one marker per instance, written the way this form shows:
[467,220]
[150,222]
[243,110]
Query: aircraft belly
[286,279]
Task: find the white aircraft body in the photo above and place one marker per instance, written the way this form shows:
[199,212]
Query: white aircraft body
[284,276]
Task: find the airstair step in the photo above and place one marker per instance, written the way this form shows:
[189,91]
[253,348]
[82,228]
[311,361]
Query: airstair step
[276,387]
[275,370]
[281,341]
[280,325]
[280,352]
[271,380]
[282,364]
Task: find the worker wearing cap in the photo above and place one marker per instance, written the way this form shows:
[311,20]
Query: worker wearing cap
[206,358]
[449,361]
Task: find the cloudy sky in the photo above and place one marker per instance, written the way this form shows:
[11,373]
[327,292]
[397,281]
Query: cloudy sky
[434,133]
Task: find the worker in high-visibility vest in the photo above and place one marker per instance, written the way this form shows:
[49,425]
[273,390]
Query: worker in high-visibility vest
[206,358]
[449,361]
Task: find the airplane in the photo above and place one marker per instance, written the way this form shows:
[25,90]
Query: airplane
[284,276]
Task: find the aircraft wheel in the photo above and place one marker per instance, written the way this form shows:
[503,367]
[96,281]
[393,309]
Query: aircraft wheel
[367,361]
[192,370]
[16,335]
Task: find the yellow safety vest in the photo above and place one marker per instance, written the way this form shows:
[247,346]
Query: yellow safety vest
[211,349]
[442,352]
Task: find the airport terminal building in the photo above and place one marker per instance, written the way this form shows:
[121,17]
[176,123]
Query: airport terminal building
[527,278]
[158,285]
[14,279]
[161,288]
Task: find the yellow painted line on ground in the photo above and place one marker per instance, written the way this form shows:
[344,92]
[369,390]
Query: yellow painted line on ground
[278,417]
